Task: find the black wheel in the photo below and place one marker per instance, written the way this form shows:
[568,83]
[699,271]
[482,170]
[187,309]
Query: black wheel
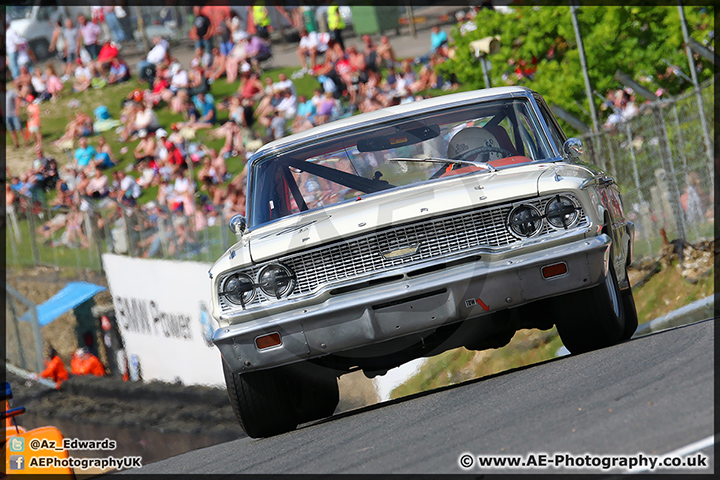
[631,318]
[263,401]
[319,395]
[41,48]
[592,318]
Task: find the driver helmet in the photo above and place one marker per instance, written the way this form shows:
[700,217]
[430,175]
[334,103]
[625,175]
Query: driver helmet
[466,145]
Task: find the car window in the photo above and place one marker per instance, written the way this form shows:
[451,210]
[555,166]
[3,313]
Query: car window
[556,132]
[405,151]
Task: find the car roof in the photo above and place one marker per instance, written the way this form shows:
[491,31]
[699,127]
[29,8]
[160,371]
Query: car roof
[389,112]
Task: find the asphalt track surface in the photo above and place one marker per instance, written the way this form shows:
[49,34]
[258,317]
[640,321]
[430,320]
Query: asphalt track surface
[652,394]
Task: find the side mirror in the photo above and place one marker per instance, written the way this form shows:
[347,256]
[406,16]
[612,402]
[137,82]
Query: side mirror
[237,224]
[572,148]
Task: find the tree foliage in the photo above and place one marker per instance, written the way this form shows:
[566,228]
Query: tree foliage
[634,39]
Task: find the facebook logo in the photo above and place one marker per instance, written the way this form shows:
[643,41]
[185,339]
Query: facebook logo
[17,462]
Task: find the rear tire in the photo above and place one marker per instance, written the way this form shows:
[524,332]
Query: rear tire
[592,318]
[263,401]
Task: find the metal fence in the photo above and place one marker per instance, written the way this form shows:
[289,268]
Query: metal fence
[40,234]
[664,168]
[658,158]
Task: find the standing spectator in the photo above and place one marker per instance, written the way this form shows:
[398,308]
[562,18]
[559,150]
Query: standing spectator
[89,33]
[33,123]
[57,40]
[12,115]
[202,30]
[336,24]
[225,33]
[70,50]
[112,21]
[12,41]
[261,19]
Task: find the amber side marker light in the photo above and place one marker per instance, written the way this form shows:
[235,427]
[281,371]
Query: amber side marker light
[267,341]
[554,270]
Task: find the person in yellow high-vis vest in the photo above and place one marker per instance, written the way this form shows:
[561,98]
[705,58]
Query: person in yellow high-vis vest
[261,18]
[335,24]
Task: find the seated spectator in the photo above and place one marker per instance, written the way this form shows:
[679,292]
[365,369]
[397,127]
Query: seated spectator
[284,83]
[202,59]
[250,86]
[288,105]
[325,109]
[236,57]
[83,77]
[80,126]
[108,53]
[305,115]
[39,86]
[147,119]
[197,82]
[54,85]
[386,52]
[119,72]
[23,82]
[98,186]
[257,50]
[129,190]
[83,155]
[217,69]
[145,149]
[148,67]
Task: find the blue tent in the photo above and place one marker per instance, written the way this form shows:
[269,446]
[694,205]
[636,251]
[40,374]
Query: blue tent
[65,300]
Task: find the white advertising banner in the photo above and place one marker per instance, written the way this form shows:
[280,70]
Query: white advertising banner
[163,313]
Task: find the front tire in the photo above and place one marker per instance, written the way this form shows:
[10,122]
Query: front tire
[263,401]
[593,318]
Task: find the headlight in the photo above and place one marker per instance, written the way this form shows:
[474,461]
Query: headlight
[561,212]
[276,281]
[238,289]
[525,220]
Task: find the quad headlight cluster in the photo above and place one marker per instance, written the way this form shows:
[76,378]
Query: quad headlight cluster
[274,280]
[525,220]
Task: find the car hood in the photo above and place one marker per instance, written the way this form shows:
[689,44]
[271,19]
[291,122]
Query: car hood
[401,205]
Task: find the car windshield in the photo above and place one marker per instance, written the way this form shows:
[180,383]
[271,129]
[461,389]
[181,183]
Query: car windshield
[20,11]
[433,146]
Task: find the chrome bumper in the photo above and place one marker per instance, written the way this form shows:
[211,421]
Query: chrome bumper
[412,305]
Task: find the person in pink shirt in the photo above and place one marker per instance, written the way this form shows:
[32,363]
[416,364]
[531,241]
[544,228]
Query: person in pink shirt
[89,32]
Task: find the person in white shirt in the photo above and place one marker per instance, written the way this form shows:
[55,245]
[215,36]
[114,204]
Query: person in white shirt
[12,40]
[288,105]
[128,186]
[284,83]
[155,57]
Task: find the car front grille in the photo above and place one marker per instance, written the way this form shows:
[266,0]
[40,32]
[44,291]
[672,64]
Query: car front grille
[435,238]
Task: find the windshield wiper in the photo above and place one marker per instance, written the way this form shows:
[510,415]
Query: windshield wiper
[443,160]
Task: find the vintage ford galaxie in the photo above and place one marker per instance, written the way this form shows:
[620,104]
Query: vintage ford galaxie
[405,232]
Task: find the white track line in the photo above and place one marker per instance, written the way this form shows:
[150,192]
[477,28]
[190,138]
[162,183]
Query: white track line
[682,451]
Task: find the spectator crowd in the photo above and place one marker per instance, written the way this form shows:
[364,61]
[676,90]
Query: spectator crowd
[191,183]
